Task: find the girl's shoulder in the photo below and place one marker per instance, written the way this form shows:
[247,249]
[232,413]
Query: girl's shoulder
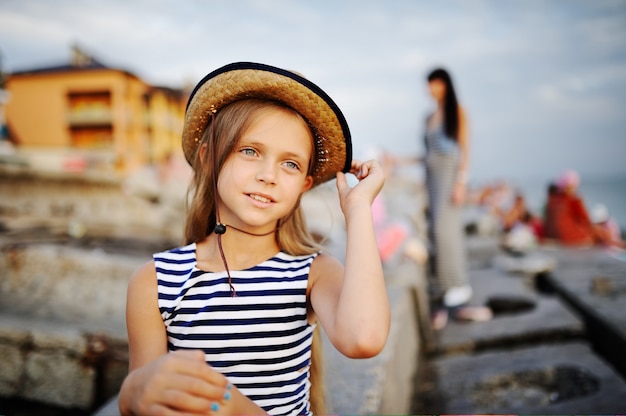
[175,263]
[143,282]
[325,264]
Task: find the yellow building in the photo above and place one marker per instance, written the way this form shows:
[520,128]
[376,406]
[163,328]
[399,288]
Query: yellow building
[89,117]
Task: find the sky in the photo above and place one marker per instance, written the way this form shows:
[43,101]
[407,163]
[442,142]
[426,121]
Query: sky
[543,81]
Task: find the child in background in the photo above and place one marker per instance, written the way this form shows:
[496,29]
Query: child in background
[225,324]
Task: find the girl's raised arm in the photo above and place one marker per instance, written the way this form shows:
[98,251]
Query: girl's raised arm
[351,303]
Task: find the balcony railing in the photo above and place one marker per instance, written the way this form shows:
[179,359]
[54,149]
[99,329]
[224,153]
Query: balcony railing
[90,117]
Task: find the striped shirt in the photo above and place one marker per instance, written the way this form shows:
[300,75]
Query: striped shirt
[260,339]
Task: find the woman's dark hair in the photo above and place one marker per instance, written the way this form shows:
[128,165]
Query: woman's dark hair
[450,103]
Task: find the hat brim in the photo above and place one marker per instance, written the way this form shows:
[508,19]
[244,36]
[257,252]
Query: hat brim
[242,80]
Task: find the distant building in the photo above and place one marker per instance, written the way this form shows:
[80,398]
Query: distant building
[86,116]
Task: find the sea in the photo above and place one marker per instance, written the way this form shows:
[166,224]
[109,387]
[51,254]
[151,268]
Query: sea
[609,191]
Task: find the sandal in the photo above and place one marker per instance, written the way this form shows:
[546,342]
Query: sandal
[440,319]
[473,313]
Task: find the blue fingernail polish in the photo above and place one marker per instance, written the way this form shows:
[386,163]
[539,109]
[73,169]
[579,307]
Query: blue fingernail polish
[227,396]
[215,407]
[229,386]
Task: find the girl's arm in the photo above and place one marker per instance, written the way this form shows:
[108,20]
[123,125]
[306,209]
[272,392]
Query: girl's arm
[352,303]
[176,383]
[459,191]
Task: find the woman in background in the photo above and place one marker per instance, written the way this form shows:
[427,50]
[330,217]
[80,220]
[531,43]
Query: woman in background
[574,226]
[446,161]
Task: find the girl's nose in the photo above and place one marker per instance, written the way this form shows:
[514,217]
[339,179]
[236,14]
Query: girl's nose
[266,173]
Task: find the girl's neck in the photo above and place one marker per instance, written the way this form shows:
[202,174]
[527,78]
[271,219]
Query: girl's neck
[242,251]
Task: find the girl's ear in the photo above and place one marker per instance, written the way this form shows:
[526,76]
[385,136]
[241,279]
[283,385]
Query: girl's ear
[308,183]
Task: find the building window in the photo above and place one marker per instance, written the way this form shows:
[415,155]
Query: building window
[90,119]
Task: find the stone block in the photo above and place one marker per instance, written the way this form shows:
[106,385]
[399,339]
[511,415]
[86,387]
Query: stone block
[593,281]
[548,320]
[44,281]
[54,377]
[109,408]
[57,337]
[480,250]
[382,384]
[402,358]
[566,378]
[113,374]
[13,334]
[11,369]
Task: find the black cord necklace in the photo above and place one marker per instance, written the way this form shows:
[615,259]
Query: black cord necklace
[220,228]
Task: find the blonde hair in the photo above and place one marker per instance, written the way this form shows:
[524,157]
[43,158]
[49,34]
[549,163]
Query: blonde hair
[293,237]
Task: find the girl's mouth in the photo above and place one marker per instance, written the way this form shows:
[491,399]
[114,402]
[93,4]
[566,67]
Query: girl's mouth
[260,198]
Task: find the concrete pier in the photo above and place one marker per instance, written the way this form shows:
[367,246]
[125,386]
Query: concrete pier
[545,351]
[563,378]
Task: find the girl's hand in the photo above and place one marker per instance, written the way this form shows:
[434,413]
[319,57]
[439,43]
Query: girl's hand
[371,180]
[175,384]
[458,193]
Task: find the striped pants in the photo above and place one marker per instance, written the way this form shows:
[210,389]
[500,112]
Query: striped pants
[448,256]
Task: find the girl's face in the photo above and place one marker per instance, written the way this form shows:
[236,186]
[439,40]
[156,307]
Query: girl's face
[265,175]
[437,89]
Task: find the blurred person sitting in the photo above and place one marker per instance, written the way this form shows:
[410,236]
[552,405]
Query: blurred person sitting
[607,230]
[524,235]
[497,197]
[573,225]
[551,212]
[514,214]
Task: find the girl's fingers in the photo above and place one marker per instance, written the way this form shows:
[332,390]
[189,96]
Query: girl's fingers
[160,410]
[186,374]
[362,169]
[199,388]
[192,363]
[190,395]
[182,400]
[342,182]
[356,168]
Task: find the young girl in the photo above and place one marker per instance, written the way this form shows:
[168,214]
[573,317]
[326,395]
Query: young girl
[225,324]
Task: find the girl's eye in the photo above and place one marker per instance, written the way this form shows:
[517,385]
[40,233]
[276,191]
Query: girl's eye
[292,165]
[248,152]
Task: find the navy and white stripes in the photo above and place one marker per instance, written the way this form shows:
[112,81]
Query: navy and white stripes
[260,339]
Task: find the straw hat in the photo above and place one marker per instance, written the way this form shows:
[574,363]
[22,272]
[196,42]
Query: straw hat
[241,80]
